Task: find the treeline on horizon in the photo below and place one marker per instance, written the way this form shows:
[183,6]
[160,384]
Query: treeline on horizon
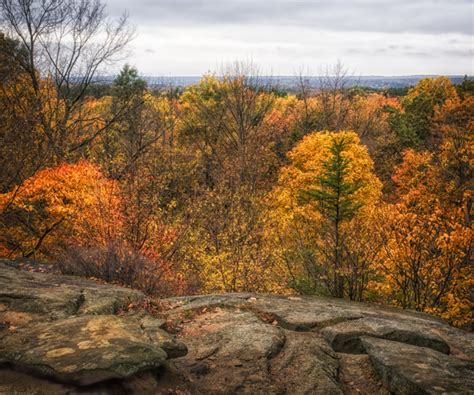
[283,85]
[230,185]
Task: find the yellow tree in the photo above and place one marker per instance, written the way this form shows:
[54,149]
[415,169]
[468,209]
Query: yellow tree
[229,123]
[313,256]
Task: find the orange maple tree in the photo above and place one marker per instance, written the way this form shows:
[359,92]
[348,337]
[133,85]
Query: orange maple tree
[67,203]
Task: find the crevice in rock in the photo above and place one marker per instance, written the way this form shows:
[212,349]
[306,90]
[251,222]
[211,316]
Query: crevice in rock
[265,317]
[79,302]
[305,364]
[275,319]
[334,321]
[356,375]
[347,344]
[211,353]
[417,340]
[146,333]
[350,342]
[192,312]
[11,295]
[278,347]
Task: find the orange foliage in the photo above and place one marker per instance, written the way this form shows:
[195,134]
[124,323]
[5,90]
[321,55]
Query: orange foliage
[196,203]
[428,243]
[67,203]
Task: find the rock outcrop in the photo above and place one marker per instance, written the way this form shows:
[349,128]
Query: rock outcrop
[67,329]
[62,334]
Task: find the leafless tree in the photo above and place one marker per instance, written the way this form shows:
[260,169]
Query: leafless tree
[306,90]
[67,44]
[325,98]
[244,112]
[333,93]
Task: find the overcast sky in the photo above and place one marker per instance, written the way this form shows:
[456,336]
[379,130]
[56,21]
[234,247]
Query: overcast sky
[371,37]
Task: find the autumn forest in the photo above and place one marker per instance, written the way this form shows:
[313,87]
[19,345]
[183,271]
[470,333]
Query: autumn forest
[232,184]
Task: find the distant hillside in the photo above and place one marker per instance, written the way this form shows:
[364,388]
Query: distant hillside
[290,82]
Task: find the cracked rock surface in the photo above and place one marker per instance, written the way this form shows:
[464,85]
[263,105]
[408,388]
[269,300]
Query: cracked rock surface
[62,334]
[330,346]
[65,328]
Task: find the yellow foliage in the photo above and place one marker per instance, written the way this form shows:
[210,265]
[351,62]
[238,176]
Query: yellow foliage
[436,90]
[296,230]
[307,164]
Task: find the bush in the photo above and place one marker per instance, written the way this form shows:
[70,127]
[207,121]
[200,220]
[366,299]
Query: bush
[117,263]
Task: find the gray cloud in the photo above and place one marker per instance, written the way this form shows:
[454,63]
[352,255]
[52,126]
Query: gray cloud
[402,16]
[459,53]
[191,37]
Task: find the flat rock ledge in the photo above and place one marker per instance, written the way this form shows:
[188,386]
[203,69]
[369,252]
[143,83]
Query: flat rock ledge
[67,329]
[62,334]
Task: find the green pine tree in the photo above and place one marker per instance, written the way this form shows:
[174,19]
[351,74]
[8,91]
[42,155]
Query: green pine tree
[333,198]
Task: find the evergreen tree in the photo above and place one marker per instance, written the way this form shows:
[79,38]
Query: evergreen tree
[128,84]
[123,142]
[333,199]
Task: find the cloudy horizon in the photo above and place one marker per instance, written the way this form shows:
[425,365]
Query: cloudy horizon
[192,37]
